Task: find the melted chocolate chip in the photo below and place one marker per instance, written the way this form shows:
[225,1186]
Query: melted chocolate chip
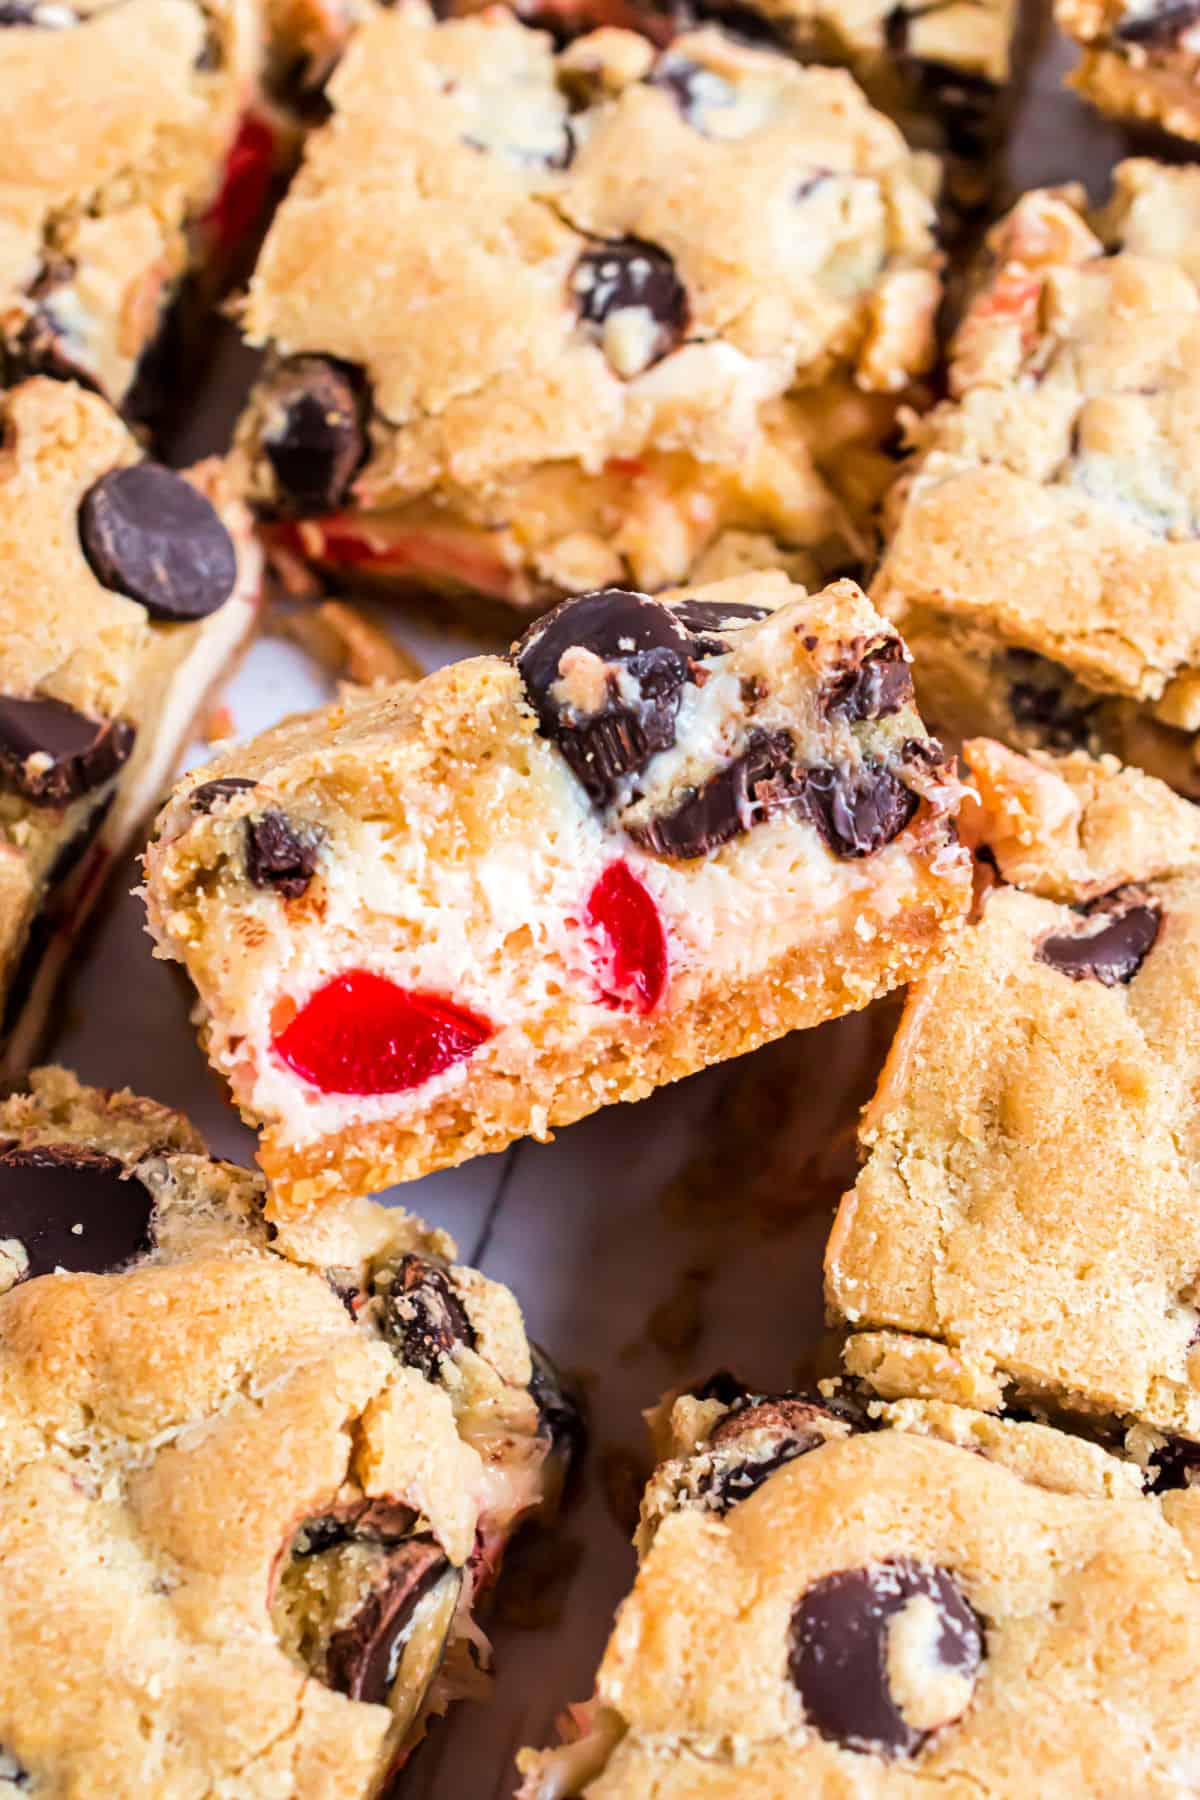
[857,810]
[363,1657]
[730,802]
[278,856]
[315,438]
[838,1655]
[876,683]
[1175,1465]
[626,273]
[1161,27]
[72,1208]
[1123,930]
[423,1317]
[378,1521]
[747,24]
[796,1423]
[642,642]
[150,534]
[51,754]
[202,799]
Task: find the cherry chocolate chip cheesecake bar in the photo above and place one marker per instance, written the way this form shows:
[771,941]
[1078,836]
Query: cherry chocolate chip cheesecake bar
[133,153]
[1036,1114]
[257,1478]
[1044,562]
[835,1600]
[537,372]
[442,916]
[127,592]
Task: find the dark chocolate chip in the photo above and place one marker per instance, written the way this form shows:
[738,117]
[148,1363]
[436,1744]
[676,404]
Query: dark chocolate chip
[150,534]
[423,1317]
[1044,697]
[43,346]
[363,1657]
[747,24]
[1159,28]
[857,810]
[1121,932]
[722,1385]
[315,437]
[72,1208]
[642,641]
[626,272]
[710,615]
[876,683]
[51,754]
[737,797]
[1175,1465]
[202,799]
[796,1423]
[278,856]
[378,1521]
[560,1410]
[838,1655]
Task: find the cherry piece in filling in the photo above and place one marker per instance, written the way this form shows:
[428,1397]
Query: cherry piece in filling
[361,1034]
[245,185]
[634,944]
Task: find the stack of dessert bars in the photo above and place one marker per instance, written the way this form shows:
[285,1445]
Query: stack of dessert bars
[840,516]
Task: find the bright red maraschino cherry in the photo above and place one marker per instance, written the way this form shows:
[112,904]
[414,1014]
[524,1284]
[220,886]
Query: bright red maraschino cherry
[627,922]
[362,1034]
[242,198]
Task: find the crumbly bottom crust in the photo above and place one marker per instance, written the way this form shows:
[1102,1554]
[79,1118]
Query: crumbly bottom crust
[811,983]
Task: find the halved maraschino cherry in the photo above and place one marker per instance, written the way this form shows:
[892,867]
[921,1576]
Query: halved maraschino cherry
[633,944]
[362,1034]
[241,199]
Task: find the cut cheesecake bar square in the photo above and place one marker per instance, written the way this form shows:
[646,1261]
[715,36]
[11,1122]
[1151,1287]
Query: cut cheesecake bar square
[906,1599]
[132,154]
[1025,1227]
[1044,557]
[241,1464]
[126,593]
[442,916]
[1140,60]
[538,372]
[944,73]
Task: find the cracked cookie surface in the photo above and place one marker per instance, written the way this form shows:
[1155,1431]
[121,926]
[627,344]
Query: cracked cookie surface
[914,1596]
[1036,1113]
[227,1475]
[539,373]
[127,590]
[1044,561]
[115,124]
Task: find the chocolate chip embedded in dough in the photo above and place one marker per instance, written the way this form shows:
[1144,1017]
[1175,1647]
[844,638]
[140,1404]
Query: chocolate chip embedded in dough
[362,1658]
[423,1317]
[72,1208]
[150,534]
[630,290]
[315,432]
[202,799]
[279,855]
[1118,934]
[857,809]
[882,1656]
[612,714]
[875,683]
[729,803]
[51,754]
